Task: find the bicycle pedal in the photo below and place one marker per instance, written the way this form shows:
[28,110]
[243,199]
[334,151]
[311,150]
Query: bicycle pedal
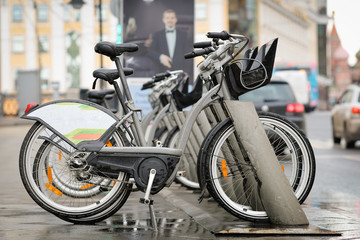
[157,143]
[146,201]
[180,173]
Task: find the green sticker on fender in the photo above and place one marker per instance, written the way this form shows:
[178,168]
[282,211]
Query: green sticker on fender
[80,135]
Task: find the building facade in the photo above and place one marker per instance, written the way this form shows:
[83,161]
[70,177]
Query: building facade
[52,37]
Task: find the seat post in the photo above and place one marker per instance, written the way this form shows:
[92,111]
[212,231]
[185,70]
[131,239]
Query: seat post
[120,97]
[123,79]
[130,104]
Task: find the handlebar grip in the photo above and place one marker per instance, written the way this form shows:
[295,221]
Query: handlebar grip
[224,35]
[203,44]
[148,85]
[189,55]
[161,76]
[199,52]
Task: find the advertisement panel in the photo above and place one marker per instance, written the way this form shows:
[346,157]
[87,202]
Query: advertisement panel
[164,32]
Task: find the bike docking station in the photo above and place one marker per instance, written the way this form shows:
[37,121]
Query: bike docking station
[275,195]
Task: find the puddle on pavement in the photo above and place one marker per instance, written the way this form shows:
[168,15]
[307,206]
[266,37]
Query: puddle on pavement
[167,226]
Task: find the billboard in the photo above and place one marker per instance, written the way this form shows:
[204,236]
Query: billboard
[164,31]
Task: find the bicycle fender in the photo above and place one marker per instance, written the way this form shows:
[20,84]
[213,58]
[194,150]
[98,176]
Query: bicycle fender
[84,125]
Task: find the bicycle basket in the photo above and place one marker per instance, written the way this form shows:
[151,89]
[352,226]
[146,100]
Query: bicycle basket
[244,75]
[183,98]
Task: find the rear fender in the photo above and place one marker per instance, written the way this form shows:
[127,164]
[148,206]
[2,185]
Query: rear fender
[84,125]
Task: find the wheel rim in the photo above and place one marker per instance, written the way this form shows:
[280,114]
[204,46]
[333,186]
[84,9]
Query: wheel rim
[298,180]
[57,189]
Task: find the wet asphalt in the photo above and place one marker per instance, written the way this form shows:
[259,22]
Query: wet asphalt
[332,213]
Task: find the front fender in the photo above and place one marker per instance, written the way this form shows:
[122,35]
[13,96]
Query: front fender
[84,125]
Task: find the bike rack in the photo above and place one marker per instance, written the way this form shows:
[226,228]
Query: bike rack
[276,194]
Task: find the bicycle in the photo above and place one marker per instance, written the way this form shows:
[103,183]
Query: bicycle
[277,128]
[74,134]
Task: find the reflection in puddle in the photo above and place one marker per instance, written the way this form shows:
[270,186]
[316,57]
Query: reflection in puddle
[167,226]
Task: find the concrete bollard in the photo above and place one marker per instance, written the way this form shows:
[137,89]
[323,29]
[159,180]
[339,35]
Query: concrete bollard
[276,194]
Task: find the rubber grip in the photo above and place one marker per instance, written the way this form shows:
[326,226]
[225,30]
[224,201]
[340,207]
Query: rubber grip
[199,52]
[147,85]
[203,44]
[224,35]
[161,76]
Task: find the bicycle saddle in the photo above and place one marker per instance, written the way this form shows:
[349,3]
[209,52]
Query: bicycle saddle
[110,75]
[113,50]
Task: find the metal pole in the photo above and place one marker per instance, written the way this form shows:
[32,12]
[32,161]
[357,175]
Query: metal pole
[100,35]
[275,192]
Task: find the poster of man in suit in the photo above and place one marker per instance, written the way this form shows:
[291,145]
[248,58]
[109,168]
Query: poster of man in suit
[164,31]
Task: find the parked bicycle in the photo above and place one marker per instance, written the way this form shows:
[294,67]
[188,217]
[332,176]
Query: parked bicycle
[100,152]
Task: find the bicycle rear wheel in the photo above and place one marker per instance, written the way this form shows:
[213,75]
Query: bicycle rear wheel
[62,184]
[230,179]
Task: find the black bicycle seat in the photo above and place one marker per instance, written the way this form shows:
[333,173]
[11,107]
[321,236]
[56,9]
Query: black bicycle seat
[110,75]
[100,94]
[113,50]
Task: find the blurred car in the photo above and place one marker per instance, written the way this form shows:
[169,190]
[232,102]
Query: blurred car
[277,97]
[299,83]
[345,117]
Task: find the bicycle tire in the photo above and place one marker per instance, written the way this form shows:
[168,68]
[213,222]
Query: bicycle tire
[37,161]
[233,200]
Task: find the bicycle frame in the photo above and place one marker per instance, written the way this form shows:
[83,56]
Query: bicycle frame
[220,91]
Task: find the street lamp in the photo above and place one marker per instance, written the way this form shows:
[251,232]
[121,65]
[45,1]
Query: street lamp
[77,4]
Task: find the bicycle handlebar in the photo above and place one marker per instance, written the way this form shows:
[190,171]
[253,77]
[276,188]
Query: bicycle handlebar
[203,44]
[168,75]
[224,35]
[148,85]
[199,52]
[161,76]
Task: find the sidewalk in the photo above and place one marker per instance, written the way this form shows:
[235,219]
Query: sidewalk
[13,121]
[180,216]
[222,224]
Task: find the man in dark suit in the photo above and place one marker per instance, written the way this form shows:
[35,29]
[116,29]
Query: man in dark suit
[169,46]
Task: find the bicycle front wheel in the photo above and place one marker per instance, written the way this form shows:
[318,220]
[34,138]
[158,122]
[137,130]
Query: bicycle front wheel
[230,178]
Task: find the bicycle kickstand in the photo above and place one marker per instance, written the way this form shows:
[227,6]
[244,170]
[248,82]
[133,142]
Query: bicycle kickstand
[147,199]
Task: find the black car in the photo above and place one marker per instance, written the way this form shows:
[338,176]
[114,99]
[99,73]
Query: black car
[277,97]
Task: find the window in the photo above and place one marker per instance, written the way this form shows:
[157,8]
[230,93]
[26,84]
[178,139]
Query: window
[42,12]
[71,14]
[67,13]
[17,13]
[43,43]
[104,11]
[18,44]
[44,77]
[346,97]
[201,10]
[273,92]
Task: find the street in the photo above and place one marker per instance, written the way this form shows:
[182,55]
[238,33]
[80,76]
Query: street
[333,204]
